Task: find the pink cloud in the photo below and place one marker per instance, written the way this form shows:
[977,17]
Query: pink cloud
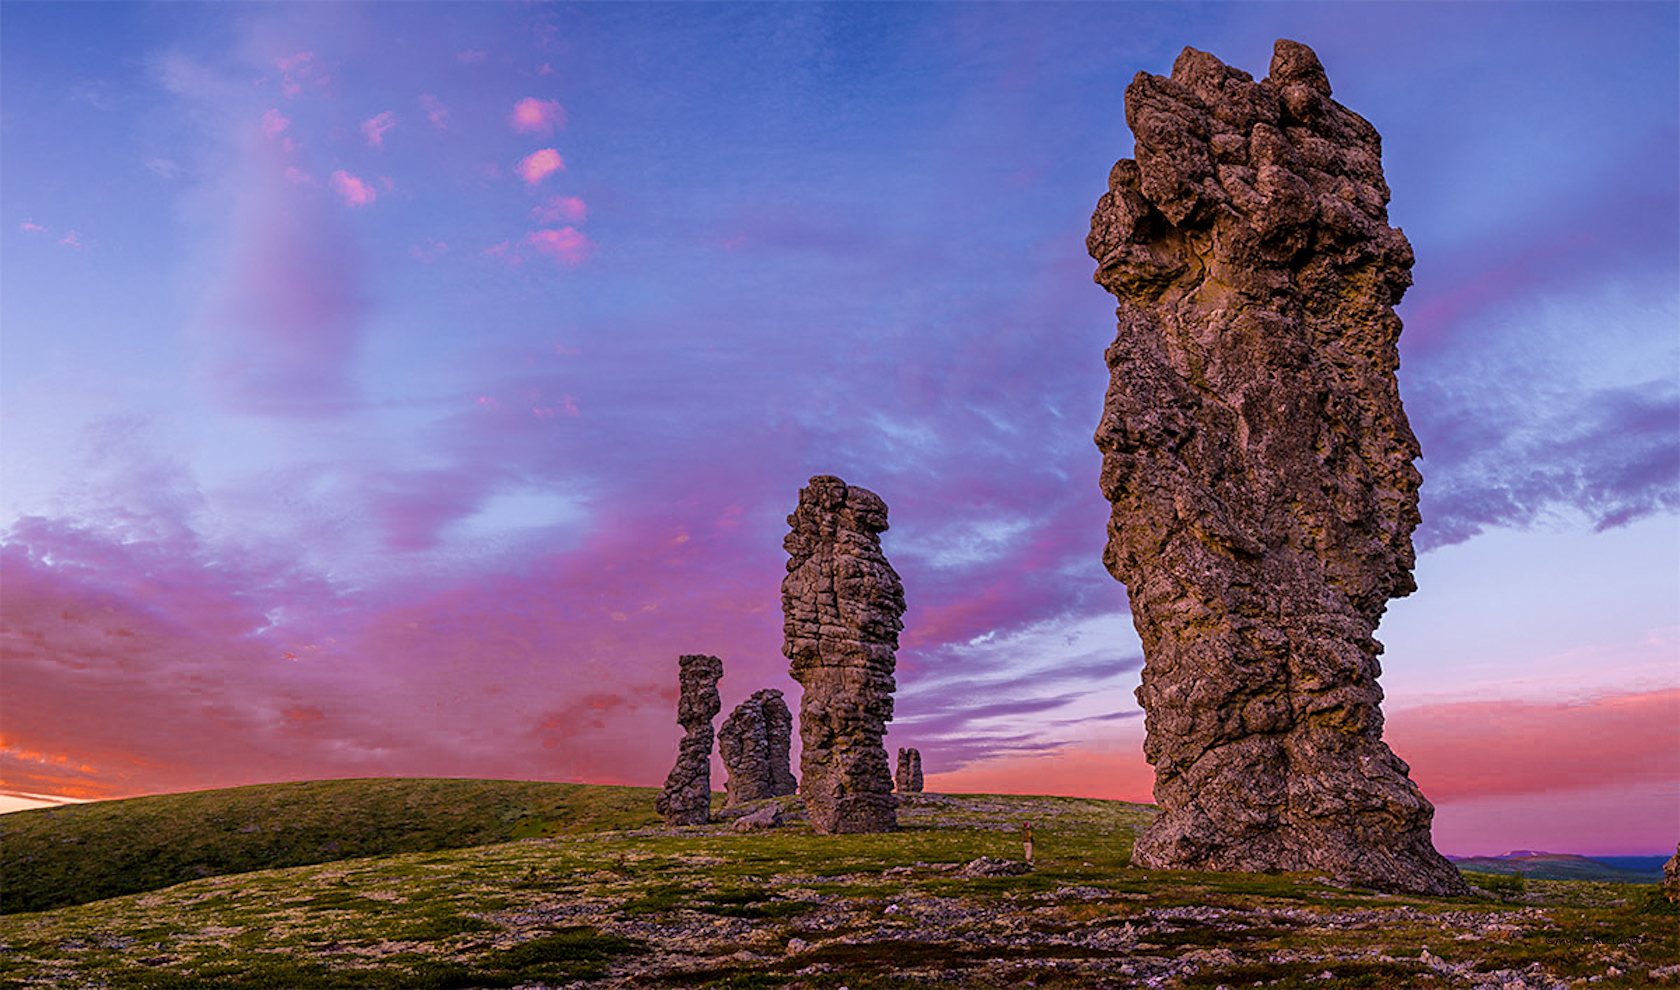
[274,123]
[1118,773]
[429,250]
[298,176]
[72,240]
[374,128]
[568,245]
[436,112]
[295,70]
[1524,748]
[356,193]
[539,165]
[33,228]
[561,209]
[534,116]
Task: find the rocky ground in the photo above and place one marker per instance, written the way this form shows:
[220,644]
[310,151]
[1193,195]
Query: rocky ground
[944,902]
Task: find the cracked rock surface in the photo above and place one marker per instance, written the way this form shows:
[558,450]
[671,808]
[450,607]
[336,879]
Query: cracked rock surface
[842,605]
[1259,466]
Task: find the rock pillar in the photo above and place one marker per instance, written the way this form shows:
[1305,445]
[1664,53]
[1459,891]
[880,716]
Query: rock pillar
[687,798]
[910,771]
[1260,470]
[755,741]
[841,612]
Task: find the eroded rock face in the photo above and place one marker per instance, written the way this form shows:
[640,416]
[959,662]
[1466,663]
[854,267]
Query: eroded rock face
[755,741]
[687,798]
[841,612]
[1260,470]
[909,771]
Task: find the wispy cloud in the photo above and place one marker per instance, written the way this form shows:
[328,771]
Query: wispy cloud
[375,127]
[274,123]
[567,245]
[436,112]
[297,71]
[560,209]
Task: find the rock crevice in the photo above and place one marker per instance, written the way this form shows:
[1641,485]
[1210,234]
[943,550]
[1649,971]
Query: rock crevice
[1259,466]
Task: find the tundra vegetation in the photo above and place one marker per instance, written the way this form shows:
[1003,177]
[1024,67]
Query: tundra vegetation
[575,886]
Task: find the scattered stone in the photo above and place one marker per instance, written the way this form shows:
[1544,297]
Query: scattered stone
[986,866]
[754,743]
[687,798]
[842,605]
[769,816]
[1671,876]
[910,771]
[1259,465]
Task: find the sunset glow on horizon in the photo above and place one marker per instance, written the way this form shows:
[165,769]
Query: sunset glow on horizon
[397,390]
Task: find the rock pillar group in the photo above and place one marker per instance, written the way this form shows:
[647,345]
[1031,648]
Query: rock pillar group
[754,742]
[1259,466]
[687,798]
[841,611]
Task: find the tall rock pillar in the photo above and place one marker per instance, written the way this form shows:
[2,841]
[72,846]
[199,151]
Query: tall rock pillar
[1260,470]
[687,797]
[841,612]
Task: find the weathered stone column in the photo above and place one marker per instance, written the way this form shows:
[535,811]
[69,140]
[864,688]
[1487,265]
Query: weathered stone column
[909,771]
[755,741]
[841,609]
[687,798]
[1260,470]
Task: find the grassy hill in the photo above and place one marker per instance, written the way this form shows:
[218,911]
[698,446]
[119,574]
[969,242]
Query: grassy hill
[55,857]
[587,905]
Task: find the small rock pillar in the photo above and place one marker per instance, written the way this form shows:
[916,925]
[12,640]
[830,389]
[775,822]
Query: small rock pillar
[909,771]
[687,798]
[755,741]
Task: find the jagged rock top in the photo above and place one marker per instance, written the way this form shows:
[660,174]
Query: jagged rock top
[1299,169]
[843,601]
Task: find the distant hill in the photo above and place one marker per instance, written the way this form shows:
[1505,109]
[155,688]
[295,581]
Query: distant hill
[1565,866]
[55,857]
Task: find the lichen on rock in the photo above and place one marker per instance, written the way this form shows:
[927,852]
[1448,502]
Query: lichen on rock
[1259,467]
[842,604]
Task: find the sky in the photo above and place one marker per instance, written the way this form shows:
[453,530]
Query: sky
[397,390]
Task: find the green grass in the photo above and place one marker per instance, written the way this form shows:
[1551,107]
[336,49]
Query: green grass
[56,857]
[710,908]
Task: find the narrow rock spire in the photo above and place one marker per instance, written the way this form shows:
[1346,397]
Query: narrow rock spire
[687,797]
